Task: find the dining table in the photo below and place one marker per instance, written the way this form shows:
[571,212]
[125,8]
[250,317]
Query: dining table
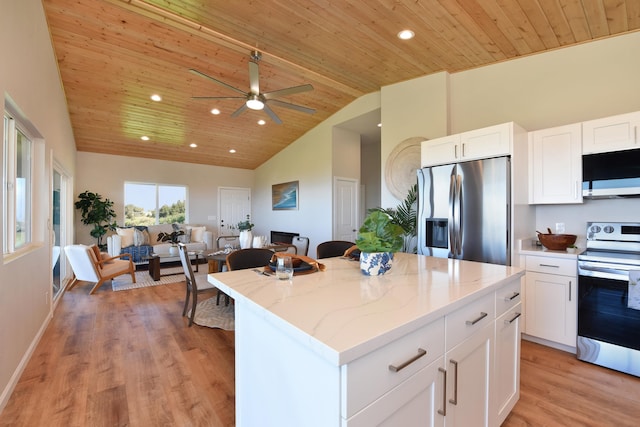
[217,260]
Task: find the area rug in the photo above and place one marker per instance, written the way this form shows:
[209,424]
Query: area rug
[143,280]
[214,316]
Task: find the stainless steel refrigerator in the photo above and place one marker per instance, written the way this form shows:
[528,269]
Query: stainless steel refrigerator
[464,210]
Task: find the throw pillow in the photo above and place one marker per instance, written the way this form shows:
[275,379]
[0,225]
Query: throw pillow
[141,236]
[126,234]
[186,237]
[197,234]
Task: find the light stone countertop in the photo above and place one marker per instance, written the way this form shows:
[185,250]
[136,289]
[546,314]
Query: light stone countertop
[527,247]
[342,314]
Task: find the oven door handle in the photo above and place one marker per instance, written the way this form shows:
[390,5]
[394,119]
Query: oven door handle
[604,268]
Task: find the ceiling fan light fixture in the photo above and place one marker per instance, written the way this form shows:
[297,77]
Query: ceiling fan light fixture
[254,102]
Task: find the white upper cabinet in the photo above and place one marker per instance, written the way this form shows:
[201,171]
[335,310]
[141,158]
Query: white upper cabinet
[555,169]
[482,143]
[611,133]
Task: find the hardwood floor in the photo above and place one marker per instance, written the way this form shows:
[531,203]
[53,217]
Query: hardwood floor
[556,389]
[128,359]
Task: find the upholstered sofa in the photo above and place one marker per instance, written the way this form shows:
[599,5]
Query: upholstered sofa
[141,241]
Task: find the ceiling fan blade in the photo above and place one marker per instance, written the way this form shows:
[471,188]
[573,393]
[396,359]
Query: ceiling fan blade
[254,77]
[288,91]
[291,106]
[271,114]
[239,110]
[198,73]
[218,97]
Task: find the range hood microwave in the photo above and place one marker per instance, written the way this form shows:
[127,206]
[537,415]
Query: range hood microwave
[611,175]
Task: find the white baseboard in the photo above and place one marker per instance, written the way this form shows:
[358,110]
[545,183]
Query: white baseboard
[548,343]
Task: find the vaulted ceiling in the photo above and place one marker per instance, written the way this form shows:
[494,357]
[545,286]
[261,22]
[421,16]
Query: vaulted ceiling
[114,54]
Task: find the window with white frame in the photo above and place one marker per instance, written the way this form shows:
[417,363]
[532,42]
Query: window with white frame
[148,204]
[17,180]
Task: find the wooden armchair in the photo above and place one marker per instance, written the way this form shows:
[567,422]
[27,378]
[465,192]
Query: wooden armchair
[89,265]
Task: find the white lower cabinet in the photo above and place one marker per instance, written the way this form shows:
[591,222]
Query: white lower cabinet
[471,379]
[507,361]
[469,369]
[551,299]
[418,401]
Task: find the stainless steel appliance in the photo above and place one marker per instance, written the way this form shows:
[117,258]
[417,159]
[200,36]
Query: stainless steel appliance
[608,320]
[464,210]
[611,175]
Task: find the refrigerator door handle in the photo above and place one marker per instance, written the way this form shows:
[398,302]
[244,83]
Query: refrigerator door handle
[458,215]
[451,227]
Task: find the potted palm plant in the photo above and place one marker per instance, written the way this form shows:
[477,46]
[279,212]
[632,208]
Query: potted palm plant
[378,239]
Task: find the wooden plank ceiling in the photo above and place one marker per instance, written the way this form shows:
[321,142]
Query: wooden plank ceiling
[114,54]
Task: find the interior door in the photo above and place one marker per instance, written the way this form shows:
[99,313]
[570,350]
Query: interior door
[345,209]
[234,204]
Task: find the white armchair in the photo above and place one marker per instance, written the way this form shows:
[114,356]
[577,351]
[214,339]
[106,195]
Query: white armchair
[88,267]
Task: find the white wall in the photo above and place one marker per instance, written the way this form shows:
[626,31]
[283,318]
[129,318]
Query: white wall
[29,76]
[308,160]
[565,86]
[106,175]
[415,108]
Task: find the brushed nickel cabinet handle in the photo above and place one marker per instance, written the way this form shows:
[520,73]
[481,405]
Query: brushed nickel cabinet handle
[512,297]
[443,411]
[479,318]
[569,290]
[454,401]
[394,368]
[549,265]
[509,321]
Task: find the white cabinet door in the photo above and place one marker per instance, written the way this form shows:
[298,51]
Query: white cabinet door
[611,133]
[556,165]
[507,362]
[469,369]
[440,151]
[487,142]
[551,307]
[482,143]
[417,402]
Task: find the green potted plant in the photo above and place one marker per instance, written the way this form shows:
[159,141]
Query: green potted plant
[405,215]
[96,212]
[378,239]
[245,228]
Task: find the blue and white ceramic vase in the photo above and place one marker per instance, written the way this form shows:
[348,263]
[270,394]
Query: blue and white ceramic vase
[375,263]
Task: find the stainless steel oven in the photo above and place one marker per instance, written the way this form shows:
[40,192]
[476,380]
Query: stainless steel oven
[608,320]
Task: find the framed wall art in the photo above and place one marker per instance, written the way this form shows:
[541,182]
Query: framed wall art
[284,196]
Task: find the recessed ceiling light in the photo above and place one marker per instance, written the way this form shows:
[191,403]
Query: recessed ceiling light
[192,145]
[232,151]
[379,125]
[406,34]
[261,122]
[215,111]
[144,138]
[156,97]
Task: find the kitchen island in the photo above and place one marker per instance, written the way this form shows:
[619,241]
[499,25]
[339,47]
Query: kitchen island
[412,347]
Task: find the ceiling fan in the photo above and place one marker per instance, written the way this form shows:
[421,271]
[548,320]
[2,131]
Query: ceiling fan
[254,99]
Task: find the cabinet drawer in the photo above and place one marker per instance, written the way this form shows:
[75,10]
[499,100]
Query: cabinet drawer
[370,376]
[507,297]
[463,322]
[551,265]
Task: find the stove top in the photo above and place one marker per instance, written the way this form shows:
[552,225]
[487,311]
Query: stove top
[632,258]
[613,242]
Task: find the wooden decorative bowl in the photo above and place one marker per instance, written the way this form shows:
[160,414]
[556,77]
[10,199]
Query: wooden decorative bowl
[557,242]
